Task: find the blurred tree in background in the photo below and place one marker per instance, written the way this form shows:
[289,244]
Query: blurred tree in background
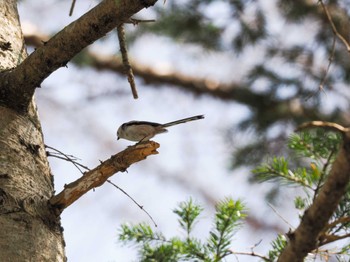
[296,60]
[298,69]
[290,66]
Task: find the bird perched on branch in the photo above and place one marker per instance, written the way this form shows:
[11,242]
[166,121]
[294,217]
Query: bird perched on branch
[143,131]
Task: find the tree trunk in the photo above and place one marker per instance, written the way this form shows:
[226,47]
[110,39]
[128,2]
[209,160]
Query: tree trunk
[30,230]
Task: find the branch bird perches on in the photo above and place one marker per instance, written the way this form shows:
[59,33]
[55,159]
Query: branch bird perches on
[97,176]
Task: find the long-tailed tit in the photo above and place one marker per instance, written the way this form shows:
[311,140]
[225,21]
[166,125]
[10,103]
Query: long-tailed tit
[143,130]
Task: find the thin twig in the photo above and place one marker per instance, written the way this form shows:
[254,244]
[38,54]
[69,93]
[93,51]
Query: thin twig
[323,173]
[67,158]
[133,200]
[330,61]
[72,8]
[55,154]
[324,78]
[135,21]
[334,29]
[279,215]
[252,254]
[126,64]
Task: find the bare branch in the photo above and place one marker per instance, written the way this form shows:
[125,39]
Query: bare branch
[133,200]
[97,176]
[330,61]
[341,220]
[334,29]
[122,43]
[127,67]
[68,158]
[252,253]
[18,85]
[135,21]
[72,8]
[324,78]
[326,125]
[326,239]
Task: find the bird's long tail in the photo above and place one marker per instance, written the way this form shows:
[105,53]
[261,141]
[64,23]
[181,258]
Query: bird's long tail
[185,120]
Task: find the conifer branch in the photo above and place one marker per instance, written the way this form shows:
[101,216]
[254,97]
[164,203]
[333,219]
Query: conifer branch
[306,237]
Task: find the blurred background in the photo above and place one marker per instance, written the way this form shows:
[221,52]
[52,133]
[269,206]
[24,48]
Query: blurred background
[255,69]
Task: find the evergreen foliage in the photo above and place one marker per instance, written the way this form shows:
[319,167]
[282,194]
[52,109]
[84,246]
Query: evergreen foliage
[153,246]
[315,151]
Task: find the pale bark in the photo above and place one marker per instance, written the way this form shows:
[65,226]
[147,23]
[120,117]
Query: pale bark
[30,231]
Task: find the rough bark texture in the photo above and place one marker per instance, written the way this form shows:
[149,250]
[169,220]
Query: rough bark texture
[30,231]
[12,50]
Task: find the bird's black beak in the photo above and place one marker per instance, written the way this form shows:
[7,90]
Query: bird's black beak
[118,138]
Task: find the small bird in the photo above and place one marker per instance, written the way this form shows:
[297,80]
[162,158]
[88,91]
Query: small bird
[143,131]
